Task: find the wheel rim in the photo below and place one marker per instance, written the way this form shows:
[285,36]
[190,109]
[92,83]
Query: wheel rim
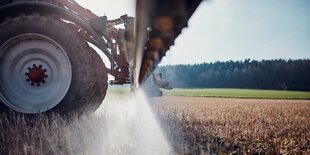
[35,73]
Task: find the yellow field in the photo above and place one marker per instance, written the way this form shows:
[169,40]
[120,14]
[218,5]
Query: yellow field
[192,125]
[216,125]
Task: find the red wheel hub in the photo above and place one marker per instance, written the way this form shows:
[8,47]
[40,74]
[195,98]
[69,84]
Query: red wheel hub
[36,75]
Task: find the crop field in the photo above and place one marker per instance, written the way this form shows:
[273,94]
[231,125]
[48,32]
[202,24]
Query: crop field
[198,125]
[184,124]
[239,93]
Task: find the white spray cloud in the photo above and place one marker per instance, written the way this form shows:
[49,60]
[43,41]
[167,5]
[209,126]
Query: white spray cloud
[130,127]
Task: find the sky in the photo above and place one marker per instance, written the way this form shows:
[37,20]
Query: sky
[222,30]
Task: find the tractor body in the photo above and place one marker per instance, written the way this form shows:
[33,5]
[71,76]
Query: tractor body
[47,64]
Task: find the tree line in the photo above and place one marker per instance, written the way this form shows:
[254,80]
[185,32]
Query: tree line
[276,74]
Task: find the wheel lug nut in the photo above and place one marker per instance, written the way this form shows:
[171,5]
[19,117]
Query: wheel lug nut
[43,81]
[28,68]
[40,66]
[32,83]
[26,74]
[46,76]
[34,65]
[44,70]
[27,80]
[38,84]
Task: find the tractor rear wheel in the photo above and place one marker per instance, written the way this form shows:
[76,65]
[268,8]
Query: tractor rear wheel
[46,67]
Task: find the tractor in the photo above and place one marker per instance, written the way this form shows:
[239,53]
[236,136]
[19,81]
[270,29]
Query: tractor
[47,61]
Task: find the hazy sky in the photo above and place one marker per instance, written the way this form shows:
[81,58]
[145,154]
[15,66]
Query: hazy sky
[233,29]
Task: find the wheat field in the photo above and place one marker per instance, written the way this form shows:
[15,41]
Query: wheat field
[192,125]
[199,125]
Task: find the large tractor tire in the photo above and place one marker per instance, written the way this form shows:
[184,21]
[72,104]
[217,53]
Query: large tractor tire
[46,67]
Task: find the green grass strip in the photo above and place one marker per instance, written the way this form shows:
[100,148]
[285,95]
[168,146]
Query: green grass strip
[239,93]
